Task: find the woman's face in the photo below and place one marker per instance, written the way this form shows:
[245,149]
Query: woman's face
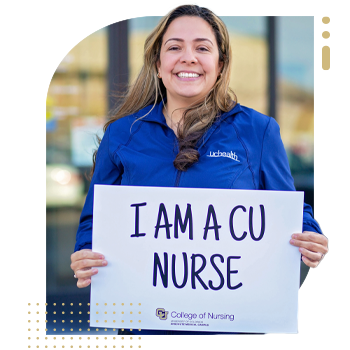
[189,60]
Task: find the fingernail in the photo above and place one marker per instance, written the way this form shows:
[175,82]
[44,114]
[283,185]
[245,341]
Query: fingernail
[301,250]
[94,271]
[292,241]
[102,257]
[104,262]
[295,236]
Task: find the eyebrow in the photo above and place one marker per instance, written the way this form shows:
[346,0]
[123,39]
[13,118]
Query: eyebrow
[196,40]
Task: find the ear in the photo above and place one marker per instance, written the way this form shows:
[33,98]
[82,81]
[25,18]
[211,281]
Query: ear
[158,65]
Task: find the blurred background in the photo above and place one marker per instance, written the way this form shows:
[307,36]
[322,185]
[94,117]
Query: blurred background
[272,73]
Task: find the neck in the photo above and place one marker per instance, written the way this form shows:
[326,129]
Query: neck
[172,117]
[174,109]
[173,114]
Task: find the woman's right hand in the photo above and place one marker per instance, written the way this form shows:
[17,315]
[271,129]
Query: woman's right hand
[83,264]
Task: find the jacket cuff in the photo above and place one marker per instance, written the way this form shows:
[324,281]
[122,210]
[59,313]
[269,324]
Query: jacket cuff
[310,227]
[85,246]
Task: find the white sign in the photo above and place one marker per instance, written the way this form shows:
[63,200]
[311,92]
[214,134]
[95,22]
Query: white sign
[196,259]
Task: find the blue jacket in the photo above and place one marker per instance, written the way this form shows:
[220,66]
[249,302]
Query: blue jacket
[241,150]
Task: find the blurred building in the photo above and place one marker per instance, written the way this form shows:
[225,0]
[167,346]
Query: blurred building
[272,73]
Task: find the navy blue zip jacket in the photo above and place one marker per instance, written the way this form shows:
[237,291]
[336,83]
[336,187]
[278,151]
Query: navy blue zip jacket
[241,150]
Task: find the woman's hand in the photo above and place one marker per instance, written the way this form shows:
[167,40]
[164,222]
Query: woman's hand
[312,246]
[82,264]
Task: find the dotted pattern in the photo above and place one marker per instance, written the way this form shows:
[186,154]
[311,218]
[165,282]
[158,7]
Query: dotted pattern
[63,315]
[326,49]
[137,315]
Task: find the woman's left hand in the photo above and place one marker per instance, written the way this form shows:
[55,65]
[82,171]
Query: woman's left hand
[312,246]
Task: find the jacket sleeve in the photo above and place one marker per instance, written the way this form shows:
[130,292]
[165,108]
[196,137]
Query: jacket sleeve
[108,171]
[275,172]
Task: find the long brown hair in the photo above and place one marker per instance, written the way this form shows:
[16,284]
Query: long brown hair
[149,90]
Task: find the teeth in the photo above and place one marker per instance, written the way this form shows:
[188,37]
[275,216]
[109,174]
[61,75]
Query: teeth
[187,75]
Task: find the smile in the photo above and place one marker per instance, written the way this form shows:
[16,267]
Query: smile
[187,75]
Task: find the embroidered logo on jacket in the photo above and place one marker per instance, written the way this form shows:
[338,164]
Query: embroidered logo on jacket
[231,155]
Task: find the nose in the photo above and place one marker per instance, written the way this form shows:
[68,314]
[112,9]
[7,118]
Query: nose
[188,56]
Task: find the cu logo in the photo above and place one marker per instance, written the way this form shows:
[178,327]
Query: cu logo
[162,314]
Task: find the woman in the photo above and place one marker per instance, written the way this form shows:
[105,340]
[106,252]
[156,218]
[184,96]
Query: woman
[173,124]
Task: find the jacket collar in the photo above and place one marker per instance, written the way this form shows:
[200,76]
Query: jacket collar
[155,113]
[152,113]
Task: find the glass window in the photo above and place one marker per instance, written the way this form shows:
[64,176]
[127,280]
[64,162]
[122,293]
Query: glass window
[249,76]
[138,29]
[76,109]
[295,103]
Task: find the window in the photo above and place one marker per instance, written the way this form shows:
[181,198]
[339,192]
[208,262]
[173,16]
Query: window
[295,96]
[76,108]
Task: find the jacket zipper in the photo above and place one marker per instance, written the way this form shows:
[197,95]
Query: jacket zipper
[178,172]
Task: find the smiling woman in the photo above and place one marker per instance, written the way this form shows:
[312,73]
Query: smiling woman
[180,125]
[196,54]
[199,42]
[189,64]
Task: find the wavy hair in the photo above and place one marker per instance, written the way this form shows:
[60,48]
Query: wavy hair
[149,90]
